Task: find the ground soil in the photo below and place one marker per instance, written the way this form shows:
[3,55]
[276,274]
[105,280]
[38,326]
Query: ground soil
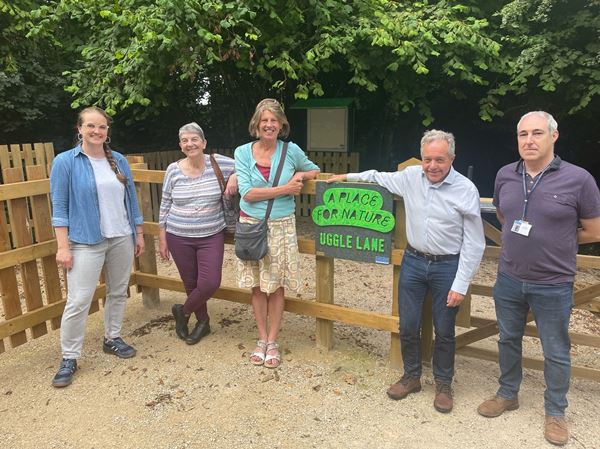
[175,396]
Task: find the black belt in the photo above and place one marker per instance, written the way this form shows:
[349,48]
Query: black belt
[431,257]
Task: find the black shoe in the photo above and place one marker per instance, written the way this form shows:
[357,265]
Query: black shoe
[118,347]
[181,321]
[201,329]
[64,376]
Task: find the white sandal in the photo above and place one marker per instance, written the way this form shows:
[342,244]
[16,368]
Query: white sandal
[259,354]
[272,345]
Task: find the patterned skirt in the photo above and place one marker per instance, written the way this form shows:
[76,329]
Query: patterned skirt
[281,266]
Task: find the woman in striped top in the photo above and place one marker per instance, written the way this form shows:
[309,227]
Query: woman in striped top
[192,227]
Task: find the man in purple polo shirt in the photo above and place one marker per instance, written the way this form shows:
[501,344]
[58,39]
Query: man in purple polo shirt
[546,206]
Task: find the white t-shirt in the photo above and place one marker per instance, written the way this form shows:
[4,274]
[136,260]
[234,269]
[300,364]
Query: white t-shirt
[111,200]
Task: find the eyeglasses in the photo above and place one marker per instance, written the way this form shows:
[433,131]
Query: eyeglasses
[194,140]
[91,127]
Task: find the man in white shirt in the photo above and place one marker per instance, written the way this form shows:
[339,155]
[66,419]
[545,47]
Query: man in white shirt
[445,245]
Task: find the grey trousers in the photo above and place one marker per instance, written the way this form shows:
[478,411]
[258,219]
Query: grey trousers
[117,255]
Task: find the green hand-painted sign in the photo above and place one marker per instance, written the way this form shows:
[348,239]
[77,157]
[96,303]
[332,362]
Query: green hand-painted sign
[354,221]
[353,207]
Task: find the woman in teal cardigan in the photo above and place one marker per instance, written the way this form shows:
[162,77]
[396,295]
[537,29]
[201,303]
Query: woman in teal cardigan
[256,163]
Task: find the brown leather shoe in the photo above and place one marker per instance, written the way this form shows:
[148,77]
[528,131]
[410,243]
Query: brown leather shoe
[496,406]
[404,387]
[556,430]
[443,401]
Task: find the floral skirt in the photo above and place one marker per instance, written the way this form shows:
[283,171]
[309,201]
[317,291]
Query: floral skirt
[281,265]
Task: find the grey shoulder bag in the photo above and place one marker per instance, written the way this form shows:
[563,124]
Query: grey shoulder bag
[251,241]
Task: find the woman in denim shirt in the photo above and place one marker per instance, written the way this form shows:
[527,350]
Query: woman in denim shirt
[97,223]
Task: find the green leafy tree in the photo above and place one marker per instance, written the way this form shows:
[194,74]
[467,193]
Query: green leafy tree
[553,49]
[135,52]
[31,87]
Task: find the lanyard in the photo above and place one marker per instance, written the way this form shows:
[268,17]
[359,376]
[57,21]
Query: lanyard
[535,184]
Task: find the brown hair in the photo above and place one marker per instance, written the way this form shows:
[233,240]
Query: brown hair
[107,151]
[273,106]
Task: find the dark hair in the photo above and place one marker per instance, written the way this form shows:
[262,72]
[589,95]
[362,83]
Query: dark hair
[107,151]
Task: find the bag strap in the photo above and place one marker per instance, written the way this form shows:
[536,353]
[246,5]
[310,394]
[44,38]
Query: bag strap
[277,176]
[218,172]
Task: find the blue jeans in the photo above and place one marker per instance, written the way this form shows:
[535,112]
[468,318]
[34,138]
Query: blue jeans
[551,307]
[417,276]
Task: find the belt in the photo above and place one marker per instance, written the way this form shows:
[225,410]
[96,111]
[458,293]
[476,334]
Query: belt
[431,257]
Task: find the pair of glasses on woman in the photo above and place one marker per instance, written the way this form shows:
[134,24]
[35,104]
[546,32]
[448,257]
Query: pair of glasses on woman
[91,127]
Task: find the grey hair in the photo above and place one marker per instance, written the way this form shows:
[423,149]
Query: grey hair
[552,124]
[435,134]
[192,127]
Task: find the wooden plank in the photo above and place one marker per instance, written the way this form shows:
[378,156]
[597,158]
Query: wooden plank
[481,290]
[143,175]
[588,261]
[147,261]
[42,219]
[372,320]
[493,252]
[27,253]
[485,354]
[21,234]
[27,155]
[399,245]
[324,290]
[585,295]
[4,157]
[580,297]
[40,156]
[15,155]
[492,233]
[463,317]
[531,331]
[49,152]
[24,189]
[9,289]
[592,306]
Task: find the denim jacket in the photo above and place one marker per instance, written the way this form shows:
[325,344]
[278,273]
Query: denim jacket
[75,198]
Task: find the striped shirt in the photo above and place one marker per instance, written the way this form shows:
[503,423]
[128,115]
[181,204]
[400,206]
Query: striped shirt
[192,207]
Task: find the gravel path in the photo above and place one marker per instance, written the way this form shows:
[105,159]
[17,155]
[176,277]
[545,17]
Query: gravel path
[176,396]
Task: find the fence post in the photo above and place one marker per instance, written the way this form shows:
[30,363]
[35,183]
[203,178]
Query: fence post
[147,261]
[324,290]
[399,243]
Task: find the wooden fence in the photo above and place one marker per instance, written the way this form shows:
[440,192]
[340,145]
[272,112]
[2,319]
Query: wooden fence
[32,288]
[331,162]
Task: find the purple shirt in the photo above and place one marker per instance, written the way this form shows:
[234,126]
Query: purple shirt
[563,195]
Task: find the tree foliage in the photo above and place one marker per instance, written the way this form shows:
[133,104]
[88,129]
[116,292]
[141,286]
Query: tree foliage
[31,86]
[135,52]
[552,50]
[168,58]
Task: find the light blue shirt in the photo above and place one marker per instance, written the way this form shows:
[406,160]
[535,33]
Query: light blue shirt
[75,196]
[441,218]
[250,177]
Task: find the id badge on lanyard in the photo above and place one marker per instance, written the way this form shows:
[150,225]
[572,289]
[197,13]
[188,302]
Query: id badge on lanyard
[522,226]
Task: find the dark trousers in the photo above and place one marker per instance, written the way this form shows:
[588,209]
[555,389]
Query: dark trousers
[417,277]
[199,261]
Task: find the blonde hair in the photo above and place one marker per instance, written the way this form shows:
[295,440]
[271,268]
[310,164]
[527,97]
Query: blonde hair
[273,106]
[107,151]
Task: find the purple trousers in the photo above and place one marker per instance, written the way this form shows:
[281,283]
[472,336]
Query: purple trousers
[199,261]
